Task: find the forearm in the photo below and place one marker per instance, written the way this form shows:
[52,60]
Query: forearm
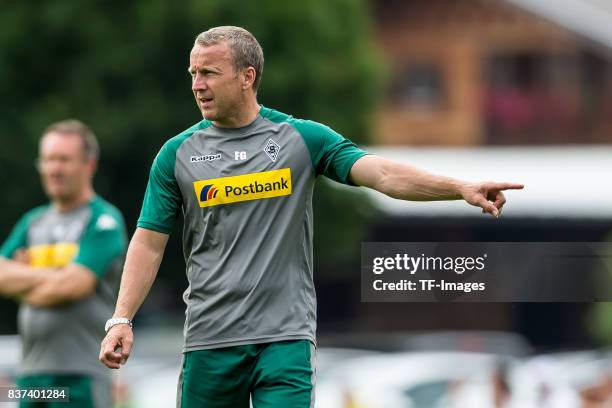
[65,285]
[44,294]
[142,263]
[16,279]
[409,183]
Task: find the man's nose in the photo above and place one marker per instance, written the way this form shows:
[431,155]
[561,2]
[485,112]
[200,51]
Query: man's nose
[47,166]
[198,83]
[55,168]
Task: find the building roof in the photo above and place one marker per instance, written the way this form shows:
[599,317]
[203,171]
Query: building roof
[591,19]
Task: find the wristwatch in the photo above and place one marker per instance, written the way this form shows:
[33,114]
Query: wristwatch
[115,321]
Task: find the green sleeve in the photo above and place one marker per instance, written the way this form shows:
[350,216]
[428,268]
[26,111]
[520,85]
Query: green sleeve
[163,198]
[104,240]
[18,238]
[332,155]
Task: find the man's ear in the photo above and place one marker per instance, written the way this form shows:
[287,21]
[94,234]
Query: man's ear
[93,166]
[248,78]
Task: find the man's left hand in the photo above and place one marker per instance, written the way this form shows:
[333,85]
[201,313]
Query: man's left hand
[488,195]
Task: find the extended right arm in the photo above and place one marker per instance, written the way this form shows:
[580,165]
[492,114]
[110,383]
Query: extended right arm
[141,265]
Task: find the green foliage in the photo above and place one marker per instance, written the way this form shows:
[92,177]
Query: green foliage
[121,68]
[599,323]
[600,317]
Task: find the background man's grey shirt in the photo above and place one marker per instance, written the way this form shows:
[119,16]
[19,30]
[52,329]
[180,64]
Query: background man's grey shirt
[246,196]
[66,338]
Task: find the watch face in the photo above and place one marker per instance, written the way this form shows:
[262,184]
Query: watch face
[109,324]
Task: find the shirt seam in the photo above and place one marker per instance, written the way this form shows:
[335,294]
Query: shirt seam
[153,226]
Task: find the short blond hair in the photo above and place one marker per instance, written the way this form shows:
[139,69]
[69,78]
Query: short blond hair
[246,51]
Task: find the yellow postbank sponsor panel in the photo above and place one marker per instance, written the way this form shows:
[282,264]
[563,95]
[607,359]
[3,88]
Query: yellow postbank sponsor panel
[53,255]
[246,187]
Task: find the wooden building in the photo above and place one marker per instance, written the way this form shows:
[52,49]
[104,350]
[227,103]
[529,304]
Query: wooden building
[473,72]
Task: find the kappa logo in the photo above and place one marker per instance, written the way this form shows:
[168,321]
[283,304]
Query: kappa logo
[246,187]
[106,222]
[208,192]
[272,149]
[205,158]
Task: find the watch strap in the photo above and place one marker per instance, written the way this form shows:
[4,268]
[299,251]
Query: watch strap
[115,321]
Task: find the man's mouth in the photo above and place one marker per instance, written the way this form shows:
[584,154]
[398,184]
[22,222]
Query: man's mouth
[205,101]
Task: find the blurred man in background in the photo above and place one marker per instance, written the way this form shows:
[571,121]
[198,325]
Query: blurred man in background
[62,262]
[243,178]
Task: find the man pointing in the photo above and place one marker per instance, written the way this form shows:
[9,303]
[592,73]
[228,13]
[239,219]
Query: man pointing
[251,306]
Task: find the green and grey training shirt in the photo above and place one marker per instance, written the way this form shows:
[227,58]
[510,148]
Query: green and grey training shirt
[66,338]
[246,196]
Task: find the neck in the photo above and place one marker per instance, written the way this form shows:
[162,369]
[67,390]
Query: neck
[245,114]
[75,202]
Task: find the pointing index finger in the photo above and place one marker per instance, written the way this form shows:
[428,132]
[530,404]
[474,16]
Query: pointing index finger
[508,186]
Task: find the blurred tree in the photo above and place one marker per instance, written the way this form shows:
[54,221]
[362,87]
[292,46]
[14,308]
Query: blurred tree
[121,68]
[599,322]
